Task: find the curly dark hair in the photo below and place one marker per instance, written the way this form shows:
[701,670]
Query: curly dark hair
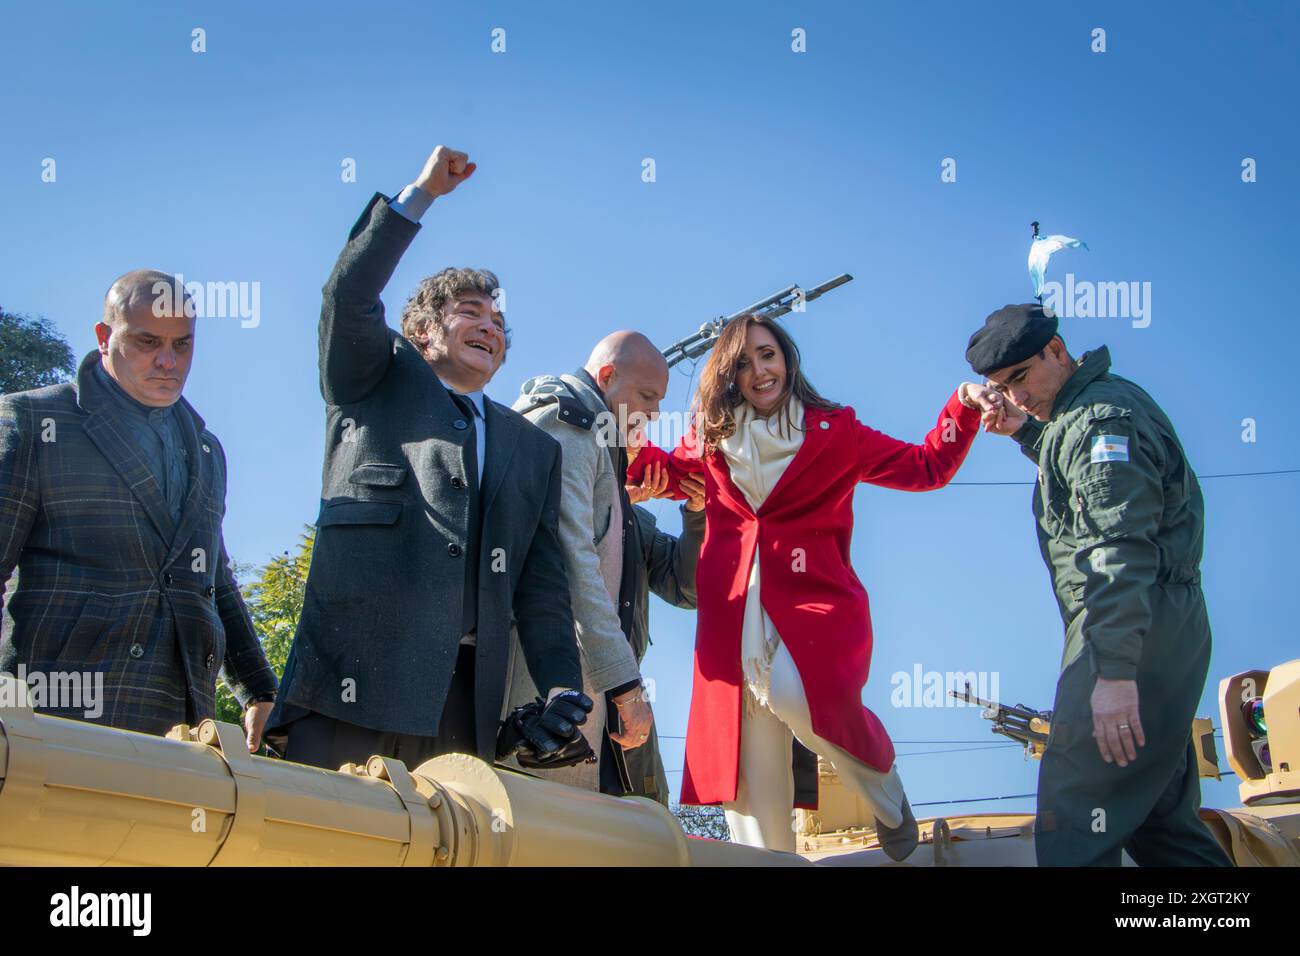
[425,311]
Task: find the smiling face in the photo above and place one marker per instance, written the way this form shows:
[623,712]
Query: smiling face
[148,355]
[468,346]
[760,371]
[1032,385]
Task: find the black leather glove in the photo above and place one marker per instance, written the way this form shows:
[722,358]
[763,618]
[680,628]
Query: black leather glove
[542,736]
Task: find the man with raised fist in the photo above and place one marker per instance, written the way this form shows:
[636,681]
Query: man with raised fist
[437,528]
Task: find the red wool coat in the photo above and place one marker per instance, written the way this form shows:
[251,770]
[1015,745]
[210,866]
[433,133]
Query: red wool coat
[809,590]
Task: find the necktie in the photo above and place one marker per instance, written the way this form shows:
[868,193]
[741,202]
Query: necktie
[466,407]
[470,412]
[469,618]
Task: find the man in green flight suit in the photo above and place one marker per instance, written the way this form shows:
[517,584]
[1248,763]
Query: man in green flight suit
[1120,525]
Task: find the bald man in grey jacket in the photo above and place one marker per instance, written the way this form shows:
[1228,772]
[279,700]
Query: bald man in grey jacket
[590,414]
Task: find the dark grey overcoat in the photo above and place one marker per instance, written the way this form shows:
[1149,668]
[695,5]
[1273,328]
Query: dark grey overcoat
[378,638]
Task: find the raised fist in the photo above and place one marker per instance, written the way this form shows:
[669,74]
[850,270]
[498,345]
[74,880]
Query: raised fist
[444,170]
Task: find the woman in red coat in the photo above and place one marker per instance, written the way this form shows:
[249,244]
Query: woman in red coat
[783,639]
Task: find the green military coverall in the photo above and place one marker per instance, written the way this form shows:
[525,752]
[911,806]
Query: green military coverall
[1121,526]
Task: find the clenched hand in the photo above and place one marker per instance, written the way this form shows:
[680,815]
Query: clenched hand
[444,170]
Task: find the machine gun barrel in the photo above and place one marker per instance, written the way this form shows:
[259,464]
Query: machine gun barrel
[778,308]
[763,304]
[774,306]
[1020,723]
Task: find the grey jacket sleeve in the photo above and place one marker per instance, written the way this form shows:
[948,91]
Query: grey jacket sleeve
[355,342]
[672,561]
[545,625]
[245,669]
[607,657]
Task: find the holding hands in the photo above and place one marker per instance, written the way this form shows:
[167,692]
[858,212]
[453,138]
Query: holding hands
[997,414]
[654,483]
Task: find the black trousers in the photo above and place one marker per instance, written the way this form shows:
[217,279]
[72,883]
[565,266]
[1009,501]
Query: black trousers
[321,741]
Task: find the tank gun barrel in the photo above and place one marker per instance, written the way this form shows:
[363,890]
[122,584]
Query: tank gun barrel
[82,794]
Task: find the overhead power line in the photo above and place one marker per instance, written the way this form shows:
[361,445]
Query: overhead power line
[941,803]
[941,740]
[982,740]
[1252,474]
[1226,474]
[961,750]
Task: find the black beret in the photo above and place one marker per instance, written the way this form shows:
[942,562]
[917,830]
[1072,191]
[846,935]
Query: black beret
[1011,334]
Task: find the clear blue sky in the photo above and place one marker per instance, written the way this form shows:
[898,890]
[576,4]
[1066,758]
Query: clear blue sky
[772,168]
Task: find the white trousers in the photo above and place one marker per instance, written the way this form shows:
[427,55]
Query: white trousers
[762,814]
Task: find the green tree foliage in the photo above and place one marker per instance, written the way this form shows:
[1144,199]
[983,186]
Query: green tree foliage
[702,821]
[275,601]
[32,353]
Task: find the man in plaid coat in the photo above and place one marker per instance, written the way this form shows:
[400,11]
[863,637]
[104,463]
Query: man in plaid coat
[112,494]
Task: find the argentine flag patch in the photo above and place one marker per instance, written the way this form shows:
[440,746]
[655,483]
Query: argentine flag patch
[1109,448]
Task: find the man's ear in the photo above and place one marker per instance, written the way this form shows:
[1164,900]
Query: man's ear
[102,331]
[604,375]
[421,339]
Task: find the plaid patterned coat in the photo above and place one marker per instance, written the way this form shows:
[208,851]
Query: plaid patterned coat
[106,581]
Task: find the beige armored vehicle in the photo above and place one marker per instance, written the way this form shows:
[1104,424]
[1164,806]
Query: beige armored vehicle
[1264,831]
[79,794]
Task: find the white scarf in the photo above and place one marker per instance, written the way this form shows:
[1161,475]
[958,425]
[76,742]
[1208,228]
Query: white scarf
[757,454]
